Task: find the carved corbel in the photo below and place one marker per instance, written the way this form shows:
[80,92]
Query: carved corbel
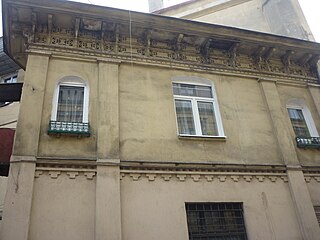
[303,60]
[269,53]
[178,42]
[313,64]
[76,31]
[233,54]
[117,37]
[286,59]
[50,25]
[103,31]
[314,60]
[258,56]
[34,24]
[147,41]
[205,49]
[178,46]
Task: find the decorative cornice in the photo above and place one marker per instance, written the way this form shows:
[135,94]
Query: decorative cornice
[309,177]
[71,173]
[197,173]
[203,176]
[104,33]
[92,56]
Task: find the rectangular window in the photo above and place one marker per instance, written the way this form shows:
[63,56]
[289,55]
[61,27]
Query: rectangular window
[70,104]
[215,221]
[196,110]
[298,122]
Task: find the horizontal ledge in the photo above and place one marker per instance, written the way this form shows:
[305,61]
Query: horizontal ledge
[209,138]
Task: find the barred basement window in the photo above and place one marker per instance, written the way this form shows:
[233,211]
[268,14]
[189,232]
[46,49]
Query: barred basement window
[215,221]
[317,210]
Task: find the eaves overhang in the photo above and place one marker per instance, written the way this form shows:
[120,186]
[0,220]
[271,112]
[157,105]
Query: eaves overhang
[30,23]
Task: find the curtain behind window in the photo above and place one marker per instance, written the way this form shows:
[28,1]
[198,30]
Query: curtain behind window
[70,104]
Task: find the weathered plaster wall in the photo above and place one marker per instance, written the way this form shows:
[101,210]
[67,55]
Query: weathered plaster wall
[308,157]
[71,146]
[148,121]
[156,210]
[248,15]
[314,190]
[3,190]
[62,208]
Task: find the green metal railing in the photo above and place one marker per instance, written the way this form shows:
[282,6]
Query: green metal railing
[69,128]
[308,142]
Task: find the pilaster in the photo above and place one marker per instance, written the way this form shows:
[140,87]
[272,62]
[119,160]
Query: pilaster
[315,94]
[108,110]
[31,105]
[280,125]
[18,200]
[299,192]
[303,205]
[108,204]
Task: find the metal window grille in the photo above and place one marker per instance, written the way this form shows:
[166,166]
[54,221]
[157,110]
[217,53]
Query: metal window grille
[215,221]
[317,210]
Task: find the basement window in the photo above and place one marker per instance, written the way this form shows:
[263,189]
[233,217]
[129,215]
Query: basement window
[215,221]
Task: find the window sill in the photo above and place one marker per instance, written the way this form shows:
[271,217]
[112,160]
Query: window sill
[195,137]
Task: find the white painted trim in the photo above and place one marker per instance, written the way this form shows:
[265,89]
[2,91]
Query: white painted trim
[71,81]
[196,118]
[300,104]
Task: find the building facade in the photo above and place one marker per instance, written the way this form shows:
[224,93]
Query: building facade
[138,126]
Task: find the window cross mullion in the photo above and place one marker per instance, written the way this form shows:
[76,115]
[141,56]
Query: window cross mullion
[196,117]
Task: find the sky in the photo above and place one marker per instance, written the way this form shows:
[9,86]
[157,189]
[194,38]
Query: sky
[310,8]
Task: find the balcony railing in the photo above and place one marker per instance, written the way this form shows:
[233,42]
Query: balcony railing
[308,142]
[69,128]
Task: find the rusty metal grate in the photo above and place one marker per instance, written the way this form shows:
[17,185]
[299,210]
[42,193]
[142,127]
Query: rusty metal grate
[215,221]
[317,210]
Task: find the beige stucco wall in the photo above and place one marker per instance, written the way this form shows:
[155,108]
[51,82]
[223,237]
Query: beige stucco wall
[148,129]
[63,208]
[248,15]
[71,147]
[282,17]
[156,210]
[148,122]
[308,157]
[314,190]
[3,190]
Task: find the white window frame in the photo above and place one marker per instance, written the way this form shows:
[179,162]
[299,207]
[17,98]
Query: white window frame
[72,82]
[300,105]
[195,111]
[9,78]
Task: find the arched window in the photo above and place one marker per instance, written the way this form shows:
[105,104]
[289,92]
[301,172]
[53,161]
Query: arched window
[70,106]
[301,119]
[197,109]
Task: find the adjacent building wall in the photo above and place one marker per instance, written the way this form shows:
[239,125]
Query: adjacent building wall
[282,17]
